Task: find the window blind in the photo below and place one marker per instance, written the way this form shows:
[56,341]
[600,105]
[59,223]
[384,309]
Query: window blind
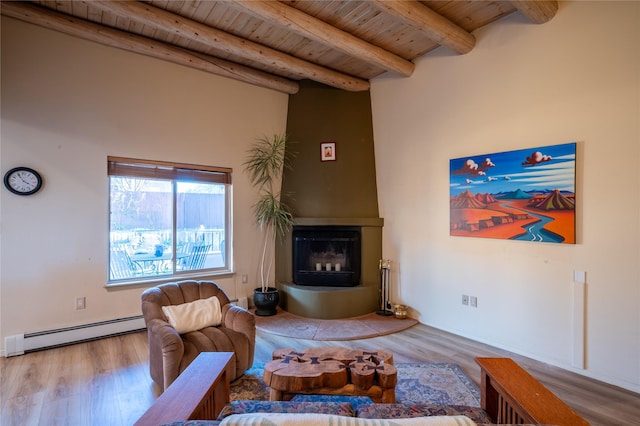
[149,169]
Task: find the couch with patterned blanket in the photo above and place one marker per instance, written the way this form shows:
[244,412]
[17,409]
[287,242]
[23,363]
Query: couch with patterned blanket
[342,411]
[353,407]
[324,419]
[509,395]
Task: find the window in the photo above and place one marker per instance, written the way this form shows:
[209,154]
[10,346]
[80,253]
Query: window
[167,219]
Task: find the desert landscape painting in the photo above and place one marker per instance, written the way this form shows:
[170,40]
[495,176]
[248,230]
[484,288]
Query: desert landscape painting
[527,194]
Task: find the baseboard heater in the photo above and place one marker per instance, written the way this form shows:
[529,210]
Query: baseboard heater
[20,344]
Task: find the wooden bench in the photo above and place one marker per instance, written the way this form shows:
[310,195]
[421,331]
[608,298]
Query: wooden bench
[511,395]
[199,393]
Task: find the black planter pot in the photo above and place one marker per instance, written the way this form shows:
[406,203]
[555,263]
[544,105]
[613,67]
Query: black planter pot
[266,302]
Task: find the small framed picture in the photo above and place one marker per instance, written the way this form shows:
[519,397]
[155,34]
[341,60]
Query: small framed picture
[328,151]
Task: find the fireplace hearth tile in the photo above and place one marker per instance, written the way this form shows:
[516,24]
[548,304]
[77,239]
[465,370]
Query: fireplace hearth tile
[362,327]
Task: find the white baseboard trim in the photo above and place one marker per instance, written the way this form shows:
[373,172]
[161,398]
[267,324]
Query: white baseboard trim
[19,344]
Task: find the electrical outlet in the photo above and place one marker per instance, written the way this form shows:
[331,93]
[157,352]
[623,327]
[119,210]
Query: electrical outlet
[465,300]
[81,303]
[473,301]
[245,278]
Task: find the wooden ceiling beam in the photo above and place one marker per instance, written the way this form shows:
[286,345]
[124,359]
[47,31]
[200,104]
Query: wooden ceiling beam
[115,38]
[296,21]
[183,27]
[538,11]
[435,26]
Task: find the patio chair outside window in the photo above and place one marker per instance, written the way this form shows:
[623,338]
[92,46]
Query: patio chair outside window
[196,257]
[122,266]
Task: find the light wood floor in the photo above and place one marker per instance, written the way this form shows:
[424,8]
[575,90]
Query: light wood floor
[106,382]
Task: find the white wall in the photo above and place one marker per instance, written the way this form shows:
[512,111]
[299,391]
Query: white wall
[66,105]
[575,78]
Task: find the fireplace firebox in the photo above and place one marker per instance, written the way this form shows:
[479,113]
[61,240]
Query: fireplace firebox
[326,255]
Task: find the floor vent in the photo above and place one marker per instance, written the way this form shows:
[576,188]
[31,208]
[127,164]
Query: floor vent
[22,343]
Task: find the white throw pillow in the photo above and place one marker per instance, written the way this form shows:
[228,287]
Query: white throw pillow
[194,315]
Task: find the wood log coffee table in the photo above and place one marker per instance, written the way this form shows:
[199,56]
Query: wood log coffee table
[331,371]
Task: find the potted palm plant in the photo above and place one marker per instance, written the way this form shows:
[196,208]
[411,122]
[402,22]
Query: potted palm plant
[266,160]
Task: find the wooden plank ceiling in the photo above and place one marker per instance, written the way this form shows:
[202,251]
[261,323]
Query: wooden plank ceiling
[275,44]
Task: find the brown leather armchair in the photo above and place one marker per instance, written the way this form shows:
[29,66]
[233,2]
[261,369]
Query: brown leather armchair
[170,353]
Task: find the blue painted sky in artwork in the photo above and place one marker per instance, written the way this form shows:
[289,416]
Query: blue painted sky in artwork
[532,169]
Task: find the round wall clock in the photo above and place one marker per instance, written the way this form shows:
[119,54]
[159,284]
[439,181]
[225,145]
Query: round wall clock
[23,181]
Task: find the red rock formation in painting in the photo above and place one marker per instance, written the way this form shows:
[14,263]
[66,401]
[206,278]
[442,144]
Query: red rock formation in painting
[466,200]
[555,201]
[486,198]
